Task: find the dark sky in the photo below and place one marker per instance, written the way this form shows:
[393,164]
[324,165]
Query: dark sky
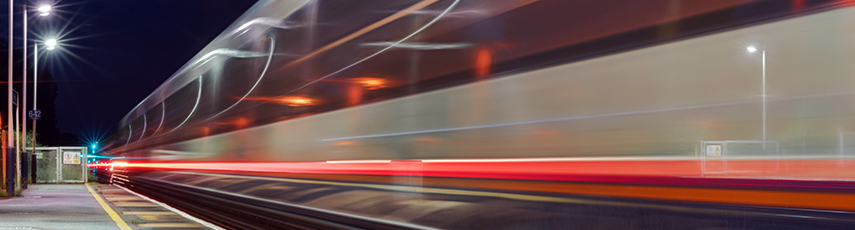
[124,49]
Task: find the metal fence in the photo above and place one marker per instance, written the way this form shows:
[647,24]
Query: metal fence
[715,155]
[61,164]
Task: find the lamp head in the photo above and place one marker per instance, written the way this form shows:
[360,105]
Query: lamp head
[51,44]
[751,49]
[45,9]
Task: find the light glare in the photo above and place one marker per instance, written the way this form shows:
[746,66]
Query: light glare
[50,42]
[45,9]
[752,49]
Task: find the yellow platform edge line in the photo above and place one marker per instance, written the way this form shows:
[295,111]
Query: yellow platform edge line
[113,215]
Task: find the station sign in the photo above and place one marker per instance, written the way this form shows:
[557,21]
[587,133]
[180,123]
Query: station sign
[34,114]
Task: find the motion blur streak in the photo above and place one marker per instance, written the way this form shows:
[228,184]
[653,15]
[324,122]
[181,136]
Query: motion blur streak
[623,175]
[198,97]
[260,76]
[547,170]
[162,117]
[371,27]
[361,161]
[371,83]
[540,121]
[562,114]
[420,46]
[831,201]
[293,100]
[145,123]
[130,133]
[266,21]
[230,53]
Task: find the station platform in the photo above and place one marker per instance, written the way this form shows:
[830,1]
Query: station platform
[90,206]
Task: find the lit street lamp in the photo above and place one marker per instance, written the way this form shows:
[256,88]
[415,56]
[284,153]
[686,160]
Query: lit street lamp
[752,50]
[50,43]
[44,10]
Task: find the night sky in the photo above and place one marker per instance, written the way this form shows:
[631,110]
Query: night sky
[124,49]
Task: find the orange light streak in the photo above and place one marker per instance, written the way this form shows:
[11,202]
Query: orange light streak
[354,94]
[241,122]
[371,83]
[292,100]
[206,131]
[483,62]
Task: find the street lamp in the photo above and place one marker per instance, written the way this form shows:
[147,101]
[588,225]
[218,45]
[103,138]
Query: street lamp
[753,49]
[44,10]
[50,43]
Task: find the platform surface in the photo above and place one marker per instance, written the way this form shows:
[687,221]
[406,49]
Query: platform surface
[74,206]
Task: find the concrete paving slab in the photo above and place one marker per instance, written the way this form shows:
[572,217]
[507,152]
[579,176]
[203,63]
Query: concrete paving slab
[54,206]
[101,206]
[144,213]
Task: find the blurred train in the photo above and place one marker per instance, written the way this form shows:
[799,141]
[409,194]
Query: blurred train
[391,111]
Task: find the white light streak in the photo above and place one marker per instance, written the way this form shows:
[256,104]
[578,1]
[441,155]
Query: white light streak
[144,126]
[381,51]
[226,52]
[419,45]
[455,14]
[130,134]
[162,116]
[537,121]
[263,72]
[198,96]
[271,22]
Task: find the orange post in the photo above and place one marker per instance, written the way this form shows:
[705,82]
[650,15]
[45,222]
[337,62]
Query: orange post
[3,135]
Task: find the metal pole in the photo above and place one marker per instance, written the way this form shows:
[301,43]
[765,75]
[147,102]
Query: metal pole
[18,143]
[10,149]
[35,89]
[24,105]
[764,99]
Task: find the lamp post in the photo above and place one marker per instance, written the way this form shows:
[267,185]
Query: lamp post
[10,149]
[763,95]
[23,106]
[44,10]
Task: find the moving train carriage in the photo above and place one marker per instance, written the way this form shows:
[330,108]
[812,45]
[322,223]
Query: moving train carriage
[539,95]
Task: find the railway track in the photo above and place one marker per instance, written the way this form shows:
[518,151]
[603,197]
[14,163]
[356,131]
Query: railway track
[234,212]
